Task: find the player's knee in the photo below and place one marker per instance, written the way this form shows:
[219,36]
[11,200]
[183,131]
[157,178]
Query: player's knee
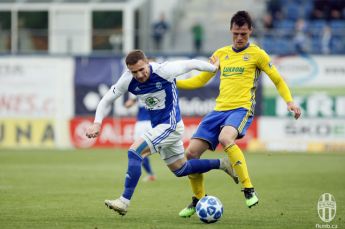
[179,175]
[182,171]
[225,141]
[192,154]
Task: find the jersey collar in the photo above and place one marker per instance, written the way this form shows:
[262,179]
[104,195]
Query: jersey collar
[151,71]
[240,50]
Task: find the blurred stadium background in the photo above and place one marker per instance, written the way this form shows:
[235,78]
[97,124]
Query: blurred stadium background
[59,57]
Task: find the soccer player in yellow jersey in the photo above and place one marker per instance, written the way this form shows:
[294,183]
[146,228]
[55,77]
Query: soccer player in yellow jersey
[240,68]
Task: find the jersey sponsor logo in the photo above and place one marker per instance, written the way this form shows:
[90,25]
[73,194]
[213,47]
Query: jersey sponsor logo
[231,71]
[151,102]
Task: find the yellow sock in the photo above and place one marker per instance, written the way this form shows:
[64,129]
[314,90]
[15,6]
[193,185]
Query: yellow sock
[238,162]
[197,183]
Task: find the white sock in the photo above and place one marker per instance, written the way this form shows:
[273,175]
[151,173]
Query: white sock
[126,201]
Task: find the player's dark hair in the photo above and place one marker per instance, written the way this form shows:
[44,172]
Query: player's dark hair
[134,56]
[241,18]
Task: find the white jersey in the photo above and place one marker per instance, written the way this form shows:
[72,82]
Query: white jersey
[158,93]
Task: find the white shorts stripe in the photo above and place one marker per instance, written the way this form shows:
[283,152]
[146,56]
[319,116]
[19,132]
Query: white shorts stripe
[166,141]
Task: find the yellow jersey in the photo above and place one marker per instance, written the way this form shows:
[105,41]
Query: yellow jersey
[239,74]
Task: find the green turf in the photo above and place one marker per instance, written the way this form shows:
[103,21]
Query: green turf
[66,189]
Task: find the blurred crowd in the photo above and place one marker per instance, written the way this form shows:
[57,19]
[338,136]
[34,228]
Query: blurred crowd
[315,27]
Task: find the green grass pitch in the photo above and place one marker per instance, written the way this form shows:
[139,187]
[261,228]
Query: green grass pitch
[66,189]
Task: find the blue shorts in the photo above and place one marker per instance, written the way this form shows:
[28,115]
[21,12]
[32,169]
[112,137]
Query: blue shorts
[212,124]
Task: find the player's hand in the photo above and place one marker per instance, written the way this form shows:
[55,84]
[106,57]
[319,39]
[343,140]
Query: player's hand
[292,107]
[215,61]
[93,130]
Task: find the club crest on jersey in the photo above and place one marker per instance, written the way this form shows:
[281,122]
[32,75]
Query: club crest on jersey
[226,57]
[151,102]
[159,85]
[246,57]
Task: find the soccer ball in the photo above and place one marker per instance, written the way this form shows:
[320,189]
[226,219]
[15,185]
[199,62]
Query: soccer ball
[209,209]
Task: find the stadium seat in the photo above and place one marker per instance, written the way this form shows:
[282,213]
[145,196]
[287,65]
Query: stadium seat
[284,46]
[337,45]
[292,10]
[285,24]
[267,43]
[285,28]
[315,45]
[337,27]
[315,27]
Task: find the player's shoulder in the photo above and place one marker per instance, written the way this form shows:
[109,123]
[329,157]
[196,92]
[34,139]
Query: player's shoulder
[125,78]
[161,69]
[126,75]
[222,51]
[256,49]
[155,66]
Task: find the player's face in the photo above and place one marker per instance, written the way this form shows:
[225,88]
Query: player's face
[140,71]
[240,35]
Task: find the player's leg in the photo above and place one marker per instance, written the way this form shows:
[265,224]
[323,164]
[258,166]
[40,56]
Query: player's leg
[147,167]
[236,125]
[197,167]
[140,128]
[171,150]
[194,151]
[182,167]
[173,155]
[205,137]
[137,151]
[148,143]
[236,157]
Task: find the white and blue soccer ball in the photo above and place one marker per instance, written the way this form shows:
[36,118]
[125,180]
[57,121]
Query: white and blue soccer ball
[209,209]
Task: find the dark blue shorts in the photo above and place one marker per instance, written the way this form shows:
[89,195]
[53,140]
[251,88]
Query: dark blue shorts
[211,125]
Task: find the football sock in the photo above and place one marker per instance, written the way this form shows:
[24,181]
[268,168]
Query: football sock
[124,200]
[197,166]
[197,182]
[238,162]
[147,166]
[133,173]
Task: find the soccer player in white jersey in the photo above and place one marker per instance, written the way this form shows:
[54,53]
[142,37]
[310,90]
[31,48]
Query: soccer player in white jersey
[155,85]
[142,125]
